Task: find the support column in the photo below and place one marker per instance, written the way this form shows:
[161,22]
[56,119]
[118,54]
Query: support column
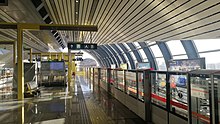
[73,67]
[20,66]
[60,57]
[31,59]
[40,57]
[14,54]
[69,67]
[20,114]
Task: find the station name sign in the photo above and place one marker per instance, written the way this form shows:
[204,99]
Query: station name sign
[79,46]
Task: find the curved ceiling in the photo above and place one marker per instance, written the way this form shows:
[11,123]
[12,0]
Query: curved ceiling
[139,20]
[118,20]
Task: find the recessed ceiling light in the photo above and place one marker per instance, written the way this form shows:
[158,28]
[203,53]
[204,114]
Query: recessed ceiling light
[77,1]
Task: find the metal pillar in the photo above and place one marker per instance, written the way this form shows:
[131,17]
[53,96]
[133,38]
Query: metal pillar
[128,55]
[114,54]
[20,70]
[98,58]
[149,54]
[40,56]
[147,95]
[190,49]
[60,56]
[14,54]
[108,63]
[31,60]
[165,51]
[69,68]
[20,114]
[109,54]
[134,50]
[101,51]
[119,52]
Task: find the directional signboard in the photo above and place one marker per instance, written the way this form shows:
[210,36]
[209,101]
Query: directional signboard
[79,46]
[78,59]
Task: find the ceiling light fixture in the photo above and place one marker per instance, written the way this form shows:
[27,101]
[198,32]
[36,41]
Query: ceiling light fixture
[77,1]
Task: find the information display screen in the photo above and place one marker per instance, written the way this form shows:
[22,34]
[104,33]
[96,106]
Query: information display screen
[57,66]
[52,66]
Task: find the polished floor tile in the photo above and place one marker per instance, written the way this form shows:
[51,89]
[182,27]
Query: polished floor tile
[56,105]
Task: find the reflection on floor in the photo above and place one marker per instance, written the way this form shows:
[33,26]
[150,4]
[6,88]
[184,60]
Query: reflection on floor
[58,106]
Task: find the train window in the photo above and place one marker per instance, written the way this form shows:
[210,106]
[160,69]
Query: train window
[120,81]
[140,86]
[178,94]
[158,89]
[131,83]
[200,99]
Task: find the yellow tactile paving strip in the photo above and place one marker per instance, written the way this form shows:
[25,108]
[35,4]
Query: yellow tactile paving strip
[97,115]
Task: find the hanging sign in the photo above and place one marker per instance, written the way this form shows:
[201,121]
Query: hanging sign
[79,46]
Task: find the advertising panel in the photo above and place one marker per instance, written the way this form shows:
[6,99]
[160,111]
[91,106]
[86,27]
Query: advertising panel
[186,64]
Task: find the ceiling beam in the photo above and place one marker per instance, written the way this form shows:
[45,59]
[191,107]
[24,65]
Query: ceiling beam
[65,27]
[7,42]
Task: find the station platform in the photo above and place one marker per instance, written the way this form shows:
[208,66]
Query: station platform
[56,105]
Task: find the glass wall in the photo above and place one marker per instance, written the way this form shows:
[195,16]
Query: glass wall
[91,74]
[118,54]
[131,83]
[207,44]
[217,95]
[103,79]
[200,98]
[96,76]
[209,48]
[178,94]
[137,45]
[142,54]
[176,47]
[158,88]
[113,77]
[159,57]
[120,80]
[212,61]
[140,86]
